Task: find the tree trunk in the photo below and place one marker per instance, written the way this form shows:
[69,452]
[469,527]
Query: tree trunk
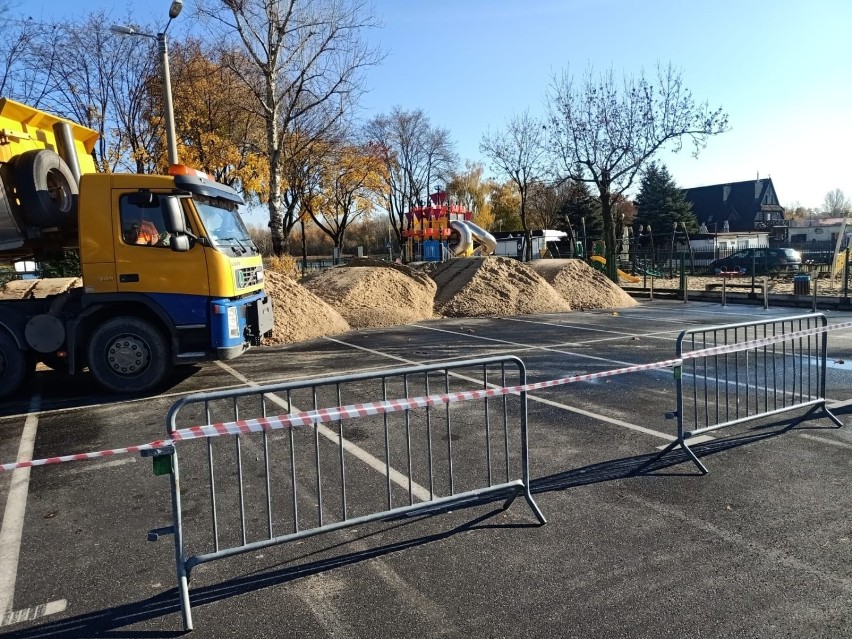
[527,234]
[609,235]
[273,144]
[304,245]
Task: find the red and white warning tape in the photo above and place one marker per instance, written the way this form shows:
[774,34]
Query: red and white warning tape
[321,415]
[764,341]
[84,456]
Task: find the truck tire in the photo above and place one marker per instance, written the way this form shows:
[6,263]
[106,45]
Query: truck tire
[46,189]
[14,365]
[128,355]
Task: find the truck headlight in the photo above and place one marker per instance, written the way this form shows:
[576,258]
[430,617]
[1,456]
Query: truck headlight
[233,322]
[259,274]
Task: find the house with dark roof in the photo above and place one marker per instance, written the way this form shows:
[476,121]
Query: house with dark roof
[739,207]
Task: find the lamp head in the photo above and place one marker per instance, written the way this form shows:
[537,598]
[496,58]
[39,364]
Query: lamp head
[122,29]
[175,9]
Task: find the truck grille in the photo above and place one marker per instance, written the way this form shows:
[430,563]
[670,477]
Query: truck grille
[246,277]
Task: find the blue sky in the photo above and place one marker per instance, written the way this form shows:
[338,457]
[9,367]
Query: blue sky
[780,69]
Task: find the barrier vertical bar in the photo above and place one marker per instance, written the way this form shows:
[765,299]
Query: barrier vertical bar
[213,511]
[237,439]
[429,441]
[487,426]
[387,444]
[180,556]
[342,457]
[293,470]
[408,443]
[266,468]
[317,454]
[449,436]
[505,418]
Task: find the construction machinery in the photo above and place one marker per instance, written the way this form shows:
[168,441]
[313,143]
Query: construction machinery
[170,275]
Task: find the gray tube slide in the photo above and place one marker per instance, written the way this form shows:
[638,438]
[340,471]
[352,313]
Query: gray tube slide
[487,242]
[468,232]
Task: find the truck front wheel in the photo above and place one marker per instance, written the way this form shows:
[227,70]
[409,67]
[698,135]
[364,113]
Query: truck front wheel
[128,355]
[14,365]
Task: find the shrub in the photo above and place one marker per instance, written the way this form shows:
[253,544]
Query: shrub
[285,265]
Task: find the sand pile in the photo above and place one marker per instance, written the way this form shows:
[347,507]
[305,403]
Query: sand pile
[370,293]
[299,314]
[28,289]
[493,286]
[582,286]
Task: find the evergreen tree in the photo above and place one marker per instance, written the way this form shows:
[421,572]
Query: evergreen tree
[661,202]
[578,203]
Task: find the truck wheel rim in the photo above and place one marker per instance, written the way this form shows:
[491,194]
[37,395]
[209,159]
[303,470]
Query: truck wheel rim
[128,355]
[59,190]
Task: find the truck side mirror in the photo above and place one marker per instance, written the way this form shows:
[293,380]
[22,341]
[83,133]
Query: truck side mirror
[180,243]
[173,215]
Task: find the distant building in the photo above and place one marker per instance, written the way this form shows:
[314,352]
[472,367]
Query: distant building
[739,207]
[511,244]
[817,230]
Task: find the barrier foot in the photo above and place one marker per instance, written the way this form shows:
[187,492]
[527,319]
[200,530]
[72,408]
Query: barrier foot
[185,609]
[701,467]
[668,449]
[811,411]
[832,416]
[534,507]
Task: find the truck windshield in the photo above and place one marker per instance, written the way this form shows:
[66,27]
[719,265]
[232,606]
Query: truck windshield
[224,226]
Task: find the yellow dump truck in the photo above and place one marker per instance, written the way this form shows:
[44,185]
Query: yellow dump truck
[170,274]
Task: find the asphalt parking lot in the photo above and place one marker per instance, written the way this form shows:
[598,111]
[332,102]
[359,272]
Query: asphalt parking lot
[760,547]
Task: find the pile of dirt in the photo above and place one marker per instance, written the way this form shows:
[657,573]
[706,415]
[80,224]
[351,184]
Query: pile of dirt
[29,289]
[581,286]
[299,314]
[493,286]
[373,293]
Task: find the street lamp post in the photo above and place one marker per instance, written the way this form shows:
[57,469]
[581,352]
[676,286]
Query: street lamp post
[165,75]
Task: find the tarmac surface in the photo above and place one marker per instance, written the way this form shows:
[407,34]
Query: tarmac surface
[759,547]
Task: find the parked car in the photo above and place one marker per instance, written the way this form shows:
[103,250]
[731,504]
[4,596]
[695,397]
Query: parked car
[765,261]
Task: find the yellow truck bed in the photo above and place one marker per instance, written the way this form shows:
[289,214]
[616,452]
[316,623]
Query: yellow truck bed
[23,128]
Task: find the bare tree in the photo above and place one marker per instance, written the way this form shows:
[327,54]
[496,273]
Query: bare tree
[309,56]
[17,75]
[603,133]
[836,204]
[544,208]
[93,77]
[416,156]
[518,152]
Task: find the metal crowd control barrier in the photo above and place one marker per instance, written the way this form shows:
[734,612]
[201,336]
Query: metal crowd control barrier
[282,485]
[722,389]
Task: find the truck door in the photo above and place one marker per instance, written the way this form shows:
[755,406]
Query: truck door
[144,261]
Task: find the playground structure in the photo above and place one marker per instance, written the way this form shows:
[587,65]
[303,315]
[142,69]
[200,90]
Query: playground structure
[600,263]
[441,230]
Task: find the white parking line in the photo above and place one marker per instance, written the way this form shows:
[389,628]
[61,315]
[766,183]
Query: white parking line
[87,468]
[31,614]
[12,528]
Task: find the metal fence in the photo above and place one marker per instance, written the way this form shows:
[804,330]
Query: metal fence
[783,371]
[243,492]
